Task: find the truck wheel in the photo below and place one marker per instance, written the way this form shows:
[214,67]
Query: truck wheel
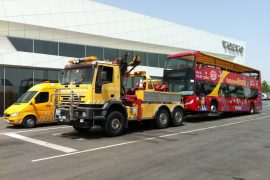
[162,119]
[114,124]
[29,122]
[178,117]
[81,130]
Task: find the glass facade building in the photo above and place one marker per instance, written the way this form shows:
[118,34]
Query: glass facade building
[17,80]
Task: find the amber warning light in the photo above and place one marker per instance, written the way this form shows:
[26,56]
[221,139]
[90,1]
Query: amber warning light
[80,60]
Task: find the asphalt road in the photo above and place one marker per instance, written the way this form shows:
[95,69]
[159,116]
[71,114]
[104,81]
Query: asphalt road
[229,147]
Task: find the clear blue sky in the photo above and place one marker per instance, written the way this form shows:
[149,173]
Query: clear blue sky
[246,20]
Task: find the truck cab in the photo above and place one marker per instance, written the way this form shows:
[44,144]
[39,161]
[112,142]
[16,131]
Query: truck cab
[33,107]
[88,87]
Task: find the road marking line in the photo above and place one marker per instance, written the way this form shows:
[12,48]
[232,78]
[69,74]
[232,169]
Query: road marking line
[37,129]
[41,143]
[57,134]
[147,139]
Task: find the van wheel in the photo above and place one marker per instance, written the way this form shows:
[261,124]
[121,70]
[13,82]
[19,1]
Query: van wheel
[252,110]
[178,116]
[81,130]
[162,119]
[114,124]
[29,122]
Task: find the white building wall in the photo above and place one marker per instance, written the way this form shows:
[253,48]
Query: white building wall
[89,22]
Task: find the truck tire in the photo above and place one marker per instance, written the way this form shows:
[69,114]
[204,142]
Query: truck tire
[162,119]
[80,129]
[29,122]
[177,117]
[114,124]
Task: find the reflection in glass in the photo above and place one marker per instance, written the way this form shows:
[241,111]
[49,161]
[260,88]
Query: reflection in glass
[110,54]
[26,97]
[17,83]
[152,60]
[42,75]
[94,51]
[78,76]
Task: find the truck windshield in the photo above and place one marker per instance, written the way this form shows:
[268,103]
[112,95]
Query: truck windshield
[26,97]
[179,74]
[78,76]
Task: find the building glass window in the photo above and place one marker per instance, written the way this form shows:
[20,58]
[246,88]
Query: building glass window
[94,51]
[16,83]
[162,59]
[42,75]
[152,60]
[71,50]
[2,90]
[110,54]
[22,44]
[131,54]
[46,47]
[143,56]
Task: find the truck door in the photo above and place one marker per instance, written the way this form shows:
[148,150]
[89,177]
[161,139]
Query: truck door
[104,85]
[42,107]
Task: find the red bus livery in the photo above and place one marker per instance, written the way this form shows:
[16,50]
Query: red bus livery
[214,85]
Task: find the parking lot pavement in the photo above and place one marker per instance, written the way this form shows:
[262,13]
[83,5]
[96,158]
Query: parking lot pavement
[228,147]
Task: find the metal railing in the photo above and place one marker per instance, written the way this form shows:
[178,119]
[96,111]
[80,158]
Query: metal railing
[72,103]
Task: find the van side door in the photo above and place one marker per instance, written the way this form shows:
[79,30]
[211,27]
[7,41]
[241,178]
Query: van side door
[43,107]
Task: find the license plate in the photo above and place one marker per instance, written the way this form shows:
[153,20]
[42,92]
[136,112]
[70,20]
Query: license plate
[58,112]
[64,117]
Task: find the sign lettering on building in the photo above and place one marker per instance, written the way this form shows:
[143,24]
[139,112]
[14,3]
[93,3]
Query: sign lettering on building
[232,47]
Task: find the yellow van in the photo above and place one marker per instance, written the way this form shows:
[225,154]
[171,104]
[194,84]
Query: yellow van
[33,107]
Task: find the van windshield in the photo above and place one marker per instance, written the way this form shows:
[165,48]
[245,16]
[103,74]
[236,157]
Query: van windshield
[26,97]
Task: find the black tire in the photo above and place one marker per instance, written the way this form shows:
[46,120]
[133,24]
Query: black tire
[162,119]
[177,117]
[114,124]
[80,129]
[252,109]
[213,107]
[29,122]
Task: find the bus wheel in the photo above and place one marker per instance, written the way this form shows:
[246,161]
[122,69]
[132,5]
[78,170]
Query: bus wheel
[213,107]
[81,130]
[29,122]
[252,110]
[162,119]
[114,124]
[177,117]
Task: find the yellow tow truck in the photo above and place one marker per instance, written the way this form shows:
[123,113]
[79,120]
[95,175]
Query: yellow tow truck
[93,93]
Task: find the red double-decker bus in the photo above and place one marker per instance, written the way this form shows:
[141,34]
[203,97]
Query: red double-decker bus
[213,85]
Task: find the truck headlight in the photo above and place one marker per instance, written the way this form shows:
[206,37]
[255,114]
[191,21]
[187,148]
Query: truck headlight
[84,114]
[14,114]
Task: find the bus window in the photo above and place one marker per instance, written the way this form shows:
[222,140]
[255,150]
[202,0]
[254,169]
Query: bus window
[254,93]
[205,87]
[239,92]
[247,92]
[230,92]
